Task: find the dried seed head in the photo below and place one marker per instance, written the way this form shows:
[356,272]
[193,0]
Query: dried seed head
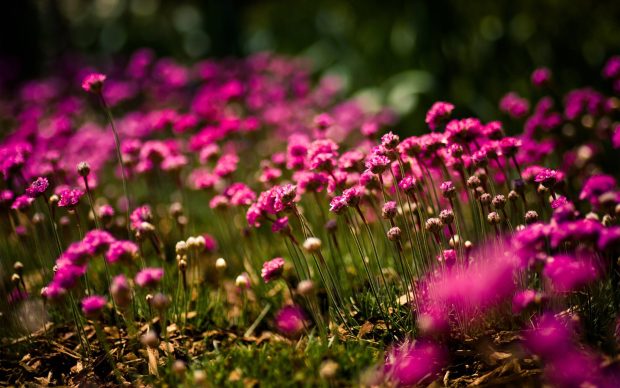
[592,216]
[446,216]
[83,168]
[394,234]
[149,298]
[182,220]
[617,210]
[220,264]
[607,220]
[499,201]
[473,182]
[455,241]
[434,225]
[305,287]
[485,199]
[16,279]
[482,175]
[312,244]
[531,216]
[493,218]
[468,245]
[182,264]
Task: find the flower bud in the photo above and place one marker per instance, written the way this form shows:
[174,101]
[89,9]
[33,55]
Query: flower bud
[176,209]
[331,225]
[485,199]
[53,200]
[200,242]
[446,216]
[473,182]
[179,368]
[328,369]
[182,265]
[513,196]
[181,247]
[220,264]
[499,201]
[150,339]
[191,242]
[160,302]
[312,244]
[493,218]
[434,225]
[242,281]
[18,267]
[389,210]
[305,287]
[394,234]
[531,216]
[83,169]
[16,279]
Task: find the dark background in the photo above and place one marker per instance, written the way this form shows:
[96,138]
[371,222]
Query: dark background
[406,54]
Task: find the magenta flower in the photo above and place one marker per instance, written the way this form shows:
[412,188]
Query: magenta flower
[70,198]
[522,300]
[568,273]
[22,203]
[139,216]
[410,364]
[547,177]
[279,225]
[38,187]
[541,76]
[290,320]
[514,105]
[98,241]
[612,67]
[93,83]
[272,269]
[92,306]
[149,277]
[124,251]
[438,114]
[377,164]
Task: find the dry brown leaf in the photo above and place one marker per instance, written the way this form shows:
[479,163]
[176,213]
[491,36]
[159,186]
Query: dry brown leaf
[166,347]
[153,359]
[235,375]
[365,329]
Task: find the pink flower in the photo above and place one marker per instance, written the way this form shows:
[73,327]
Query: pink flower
[121,251]
[438,114]
[97,241]
[377,164]
[522,300]
[290,320]
[93,83]
[38,187]
[70,198]
[568,273]
[272,269]
[514,105]
[541,76]
[410,364]
[149,277]
[121,291]
[22,203]
[92,306]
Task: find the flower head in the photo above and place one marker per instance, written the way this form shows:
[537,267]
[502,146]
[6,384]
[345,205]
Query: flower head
[149,277]
[38,187]
[93,83]
[438,114]
[272,269]
[70,198]
[290,320]
[92,306]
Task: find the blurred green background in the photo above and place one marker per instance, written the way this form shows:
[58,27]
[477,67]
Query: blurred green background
[406,54]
